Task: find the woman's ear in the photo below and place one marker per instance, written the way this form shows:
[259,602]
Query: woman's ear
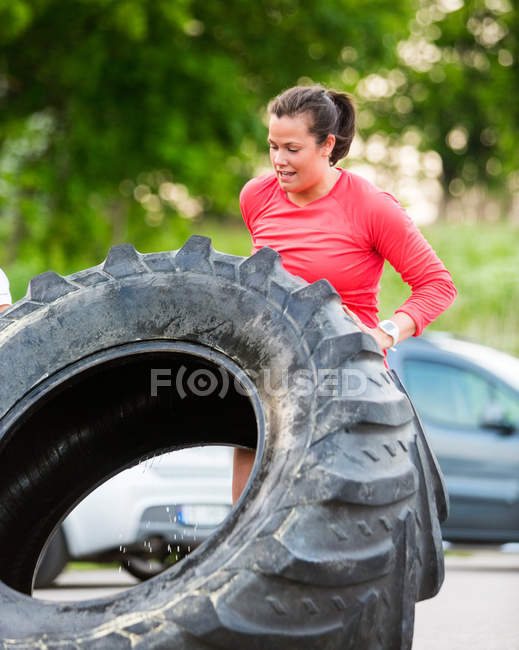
[328,145]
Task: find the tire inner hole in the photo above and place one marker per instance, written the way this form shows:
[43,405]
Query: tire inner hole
[106,419]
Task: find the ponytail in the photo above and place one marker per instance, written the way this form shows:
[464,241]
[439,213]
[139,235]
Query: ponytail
[345,128]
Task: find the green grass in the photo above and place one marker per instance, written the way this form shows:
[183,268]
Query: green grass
[90,566]
[233,238]
[455,553]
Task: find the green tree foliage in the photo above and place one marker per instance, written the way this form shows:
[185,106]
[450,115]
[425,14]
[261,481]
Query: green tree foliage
[457,83]
[103,102]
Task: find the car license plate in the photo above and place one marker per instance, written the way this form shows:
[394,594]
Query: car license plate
[204,516]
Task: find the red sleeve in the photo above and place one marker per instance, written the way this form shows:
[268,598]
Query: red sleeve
[245,200]
[398,239]
[252,198]
[243,208]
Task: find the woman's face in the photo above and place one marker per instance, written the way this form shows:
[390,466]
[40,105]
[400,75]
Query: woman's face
[299,162]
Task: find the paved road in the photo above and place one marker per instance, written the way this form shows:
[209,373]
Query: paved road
[82,585]
[476,609]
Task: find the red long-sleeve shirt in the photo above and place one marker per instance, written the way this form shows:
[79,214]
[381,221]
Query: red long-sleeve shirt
[345,236]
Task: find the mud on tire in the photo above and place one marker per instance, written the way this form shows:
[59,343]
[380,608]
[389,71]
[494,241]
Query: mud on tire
[337,534]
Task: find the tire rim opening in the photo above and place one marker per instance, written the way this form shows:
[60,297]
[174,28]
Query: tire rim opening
[131,406]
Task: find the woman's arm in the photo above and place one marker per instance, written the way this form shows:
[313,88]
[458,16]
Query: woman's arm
[395,236]
[398,239]
[405,323]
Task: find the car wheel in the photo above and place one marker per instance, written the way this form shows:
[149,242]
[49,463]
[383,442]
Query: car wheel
[142,567]
[156,557]
[336,534]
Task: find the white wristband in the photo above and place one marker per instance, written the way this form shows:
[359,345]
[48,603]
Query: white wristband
[392,329]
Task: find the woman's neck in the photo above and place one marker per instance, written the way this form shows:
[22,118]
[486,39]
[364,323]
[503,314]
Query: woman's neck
[317,191]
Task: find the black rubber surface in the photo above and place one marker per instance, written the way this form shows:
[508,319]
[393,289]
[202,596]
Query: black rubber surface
[53,562]
[338,533]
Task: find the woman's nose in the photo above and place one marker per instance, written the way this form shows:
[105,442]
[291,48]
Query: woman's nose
[279,157]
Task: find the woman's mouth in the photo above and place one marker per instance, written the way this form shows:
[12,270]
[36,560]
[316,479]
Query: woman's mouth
[285,175]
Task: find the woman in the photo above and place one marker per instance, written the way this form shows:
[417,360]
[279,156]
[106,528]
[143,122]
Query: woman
[329,223]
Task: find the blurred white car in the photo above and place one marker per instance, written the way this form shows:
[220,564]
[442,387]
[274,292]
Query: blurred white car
[146,517]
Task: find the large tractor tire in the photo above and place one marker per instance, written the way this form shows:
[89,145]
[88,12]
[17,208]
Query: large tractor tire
[336,535]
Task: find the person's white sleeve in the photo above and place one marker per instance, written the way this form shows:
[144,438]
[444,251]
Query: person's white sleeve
[5,295]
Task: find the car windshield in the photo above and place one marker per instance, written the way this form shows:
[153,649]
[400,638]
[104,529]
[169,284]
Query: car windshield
[503,365]
[454,396]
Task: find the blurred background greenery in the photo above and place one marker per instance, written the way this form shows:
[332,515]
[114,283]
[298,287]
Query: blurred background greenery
[140,120]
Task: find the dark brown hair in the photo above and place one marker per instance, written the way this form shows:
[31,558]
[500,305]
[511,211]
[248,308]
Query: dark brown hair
[331,112]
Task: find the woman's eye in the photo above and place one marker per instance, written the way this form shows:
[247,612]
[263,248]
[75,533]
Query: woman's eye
[275,148]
